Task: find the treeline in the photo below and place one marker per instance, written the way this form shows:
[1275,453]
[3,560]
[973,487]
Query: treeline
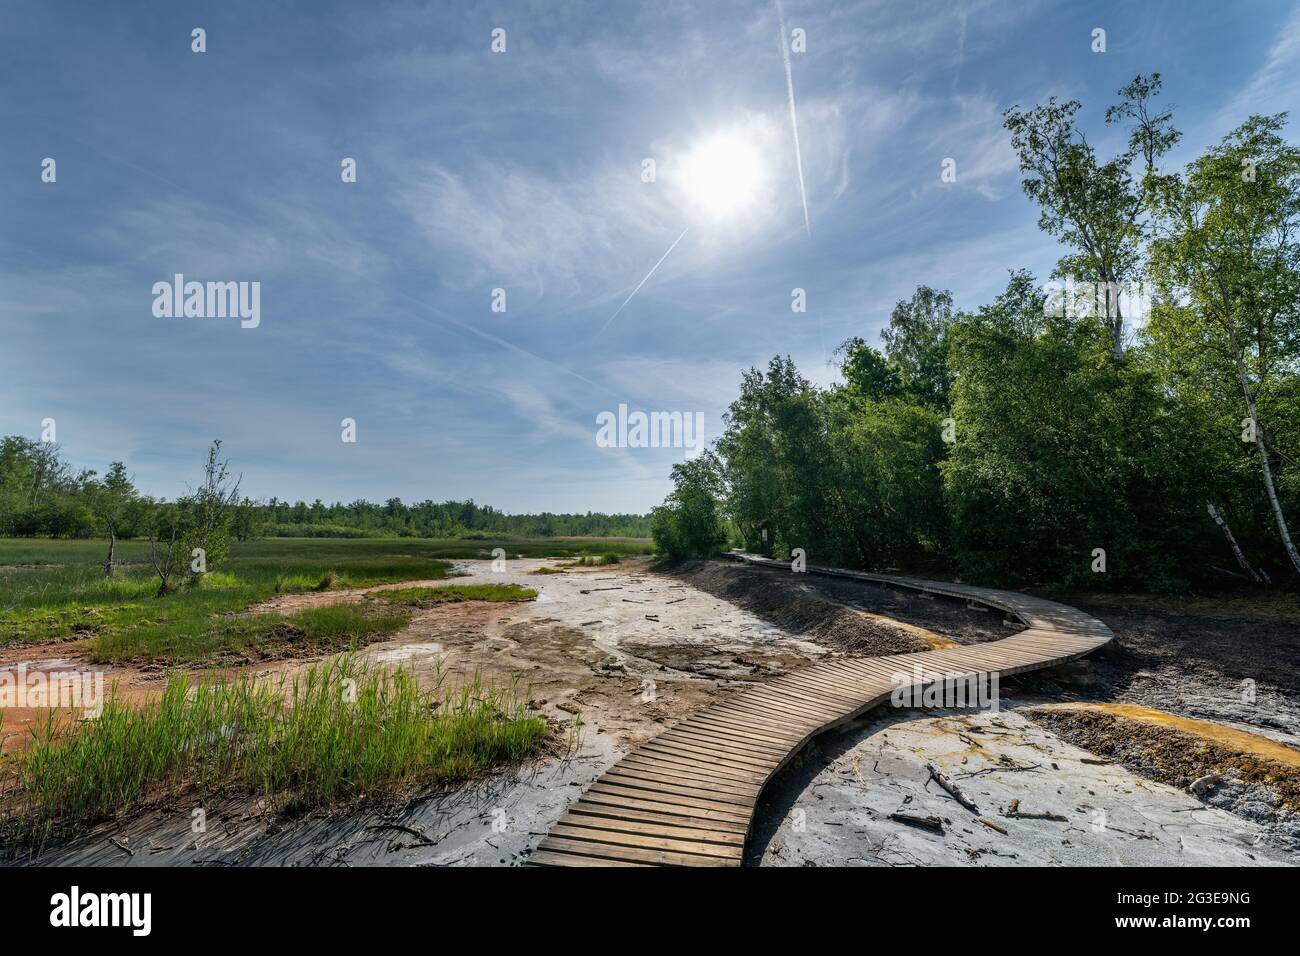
[1053,439]
[428,519]
[42,495]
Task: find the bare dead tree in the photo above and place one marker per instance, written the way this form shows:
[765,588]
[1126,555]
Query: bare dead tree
[163,553]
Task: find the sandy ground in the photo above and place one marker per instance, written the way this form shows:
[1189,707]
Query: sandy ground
[612,655]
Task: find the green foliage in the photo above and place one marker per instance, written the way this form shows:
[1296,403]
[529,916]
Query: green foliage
[688,524]
[1095,208]
[888,504]
[40,495]
[1226,259]
[867,372]
[916,343]
[1060,449]
[776,461]
[427,519]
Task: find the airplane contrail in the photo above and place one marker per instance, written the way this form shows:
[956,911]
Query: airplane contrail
[794,120]
[643,281]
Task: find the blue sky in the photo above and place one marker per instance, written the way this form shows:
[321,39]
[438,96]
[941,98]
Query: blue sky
[520,171]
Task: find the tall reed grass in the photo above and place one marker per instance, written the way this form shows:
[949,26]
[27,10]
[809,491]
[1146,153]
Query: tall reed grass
[340,731]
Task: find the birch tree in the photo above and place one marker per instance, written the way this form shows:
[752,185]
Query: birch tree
[1226,260]
[1096,208]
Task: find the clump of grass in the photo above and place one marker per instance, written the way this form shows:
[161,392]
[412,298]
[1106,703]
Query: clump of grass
[329,580]
[338,627]
[427,597]
[592,561]
[548,569]
[341,731]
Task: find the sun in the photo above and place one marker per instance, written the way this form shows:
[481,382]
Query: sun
[721,175]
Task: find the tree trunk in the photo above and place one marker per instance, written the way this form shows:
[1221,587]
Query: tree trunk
[1278,517]
[108,562]
[1232,543]
[1114,316]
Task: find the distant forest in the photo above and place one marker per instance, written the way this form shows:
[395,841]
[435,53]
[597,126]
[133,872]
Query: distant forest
[428,519]
[41,495]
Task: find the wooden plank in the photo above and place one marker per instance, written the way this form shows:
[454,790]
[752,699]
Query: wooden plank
[634,780]
[732,741]
[826,676]
[693,763]
[620,838]
[631,854]
[541,857]
[764,733]
[723,837]
[728,811]
[822,691]
[700,729]
[708,757]
[767,715]
[718,750]
[688,777]
[731,828]
[826,685]
[785,699]
[696,812]
[797,703]
[633,809]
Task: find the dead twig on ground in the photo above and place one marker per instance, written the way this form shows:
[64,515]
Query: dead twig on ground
[1014,811]
[953,790]
[405,828]
[931,823]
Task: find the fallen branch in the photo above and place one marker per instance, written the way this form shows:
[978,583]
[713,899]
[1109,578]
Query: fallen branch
[925,823]
[953,790]
[991,825]
[1015,813]
[1232,542]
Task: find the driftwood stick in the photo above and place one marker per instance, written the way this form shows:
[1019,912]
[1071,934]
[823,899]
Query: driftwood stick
[912,820]
[953,790]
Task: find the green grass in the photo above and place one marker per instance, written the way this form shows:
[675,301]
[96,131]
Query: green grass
[242,638]
[427,597]
[340,732]
[75,600]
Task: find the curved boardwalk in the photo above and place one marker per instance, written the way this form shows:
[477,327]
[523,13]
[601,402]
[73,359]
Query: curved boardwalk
[686,797]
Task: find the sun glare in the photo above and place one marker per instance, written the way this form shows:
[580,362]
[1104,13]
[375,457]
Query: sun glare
[721,175]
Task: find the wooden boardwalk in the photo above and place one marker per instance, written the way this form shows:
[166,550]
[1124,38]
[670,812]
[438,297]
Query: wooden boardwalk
[686,797]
